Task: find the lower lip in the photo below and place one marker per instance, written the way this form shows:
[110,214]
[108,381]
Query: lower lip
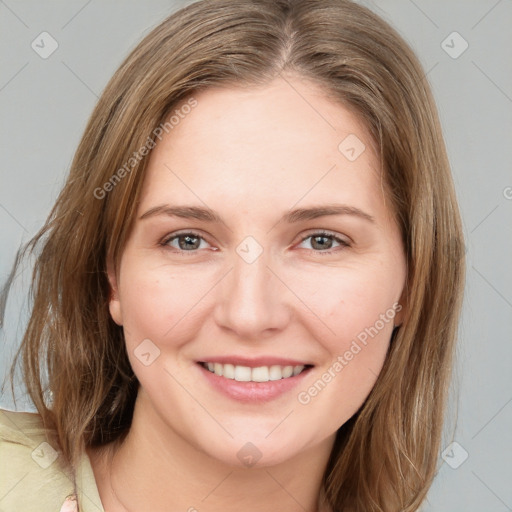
[253,392]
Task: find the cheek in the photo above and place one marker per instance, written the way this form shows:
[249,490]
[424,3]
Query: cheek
[160,303]
[357,309]
[349,301]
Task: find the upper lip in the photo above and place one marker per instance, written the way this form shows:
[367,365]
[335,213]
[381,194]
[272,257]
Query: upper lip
[254,362]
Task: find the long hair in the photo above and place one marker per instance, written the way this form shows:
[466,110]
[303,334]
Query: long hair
[385,456]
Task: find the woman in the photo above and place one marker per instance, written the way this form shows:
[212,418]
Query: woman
[248,290]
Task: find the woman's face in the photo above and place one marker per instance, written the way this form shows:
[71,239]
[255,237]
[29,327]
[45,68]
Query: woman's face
[264,245]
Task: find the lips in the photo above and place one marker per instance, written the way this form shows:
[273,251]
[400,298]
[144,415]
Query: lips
[242,373]
[254,362]
[256,390]
[253,380]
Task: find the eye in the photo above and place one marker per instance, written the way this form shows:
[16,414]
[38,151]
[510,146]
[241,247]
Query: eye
[189,241]
[323,242]
[185,242]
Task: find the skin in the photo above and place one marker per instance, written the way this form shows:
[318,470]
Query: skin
[250,155]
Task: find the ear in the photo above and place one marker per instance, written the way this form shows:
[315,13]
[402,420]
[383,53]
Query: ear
[401,309]
[114,303]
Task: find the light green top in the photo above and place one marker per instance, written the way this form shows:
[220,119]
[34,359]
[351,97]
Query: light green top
[33,477]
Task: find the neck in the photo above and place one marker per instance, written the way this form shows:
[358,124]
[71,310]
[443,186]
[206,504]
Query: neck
[154,468]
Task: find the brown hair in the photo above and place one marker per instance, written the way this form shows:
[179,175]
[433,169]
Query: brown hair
[385,456]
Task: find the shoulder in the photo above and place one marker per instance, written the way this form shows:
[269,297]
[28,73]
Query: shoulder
[20,427]
[32,473]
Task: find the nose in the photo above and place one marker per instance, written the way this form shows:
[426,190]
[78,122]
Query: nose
[252,302]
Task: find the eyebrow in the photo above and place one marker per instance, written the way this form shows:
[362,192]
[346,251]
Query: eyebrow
[292,216]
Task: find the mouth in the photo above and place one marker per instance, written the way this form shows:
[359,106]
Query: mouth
[264,373]
[253,381]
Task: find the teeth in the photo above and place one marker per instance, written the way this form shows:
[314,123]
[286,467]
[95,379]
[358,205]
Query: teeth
[228,371]
[287,372]
[242,373]
[259,374]
[275,373]
[297,370]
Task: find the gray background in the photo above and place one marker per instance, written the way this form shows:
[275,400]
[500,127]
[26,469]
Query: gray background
[45,104]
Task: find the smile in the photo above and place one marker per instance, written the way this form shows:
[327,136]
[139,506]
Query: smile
[250,374]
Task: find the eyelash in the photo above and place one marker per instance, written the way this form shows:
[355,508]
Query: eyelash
[343,243]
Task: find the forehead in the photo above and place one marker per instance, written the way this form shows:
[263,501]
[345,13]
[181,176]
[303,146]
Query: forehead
[280,142]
